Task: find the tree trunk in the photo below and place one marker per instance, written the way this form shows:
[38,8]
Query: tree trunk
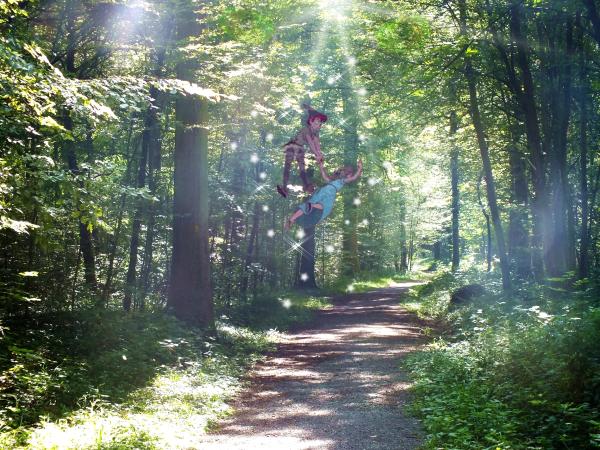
[350,260]
[584,233]
[190,292]
[485,156]
[518,240]
[526,99]
[130,282]
[488,227]
[85,234]
[306,272]
[455,193]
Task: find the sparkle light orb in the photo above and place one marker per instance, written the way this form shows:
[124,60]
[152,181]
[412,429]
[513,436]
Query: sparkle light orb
[372,181]
[329,248]
[300,234]
[269,137]
[365,222]
[271,233]
[304,277]
[286,103]
[356,201]
[346,222]
[254,113]
[254,158]
[286,303]
[330,80]
[351,61]
[234,145]
[350,288]
[361,91]
[262,175]
[387,165]
[362,137]
[265,208]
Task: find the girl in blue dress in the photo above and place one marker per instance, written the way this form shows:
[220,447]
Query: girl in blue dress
[320,204]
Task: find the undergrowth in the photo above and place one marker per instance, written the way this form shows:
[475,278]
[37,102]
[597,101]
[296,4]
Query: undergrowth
[518,371]
[102,379]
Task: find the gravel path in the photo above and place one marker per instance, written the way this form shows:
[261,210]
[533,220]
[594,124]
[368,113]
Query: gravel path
[334,385]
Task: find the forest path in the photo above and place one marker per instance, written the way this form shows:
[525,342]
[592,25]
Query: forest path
[333,385]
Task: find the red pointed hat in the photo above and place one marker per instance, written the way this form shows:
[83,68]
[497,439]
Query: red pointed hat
[314,114]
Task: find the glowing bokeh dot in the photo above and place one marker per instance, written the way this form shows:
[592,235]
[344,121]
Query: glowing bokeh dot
[286,303]
[365,222]
[271,233]
[350,288]
[352,60]
[234,145]
[300,234]
[356,201]
[346,222]
[265,208]
[254,158]
[269,137]
[372,181]
[254,113]
[361,91]
[304,277]
[329,248]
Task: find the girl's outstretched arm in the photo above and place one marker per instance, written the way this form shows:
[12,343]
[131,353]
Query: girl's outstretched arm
[358,173]
[324,174]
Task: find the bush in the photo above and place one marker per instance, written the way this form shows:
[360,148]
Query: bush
[512,374]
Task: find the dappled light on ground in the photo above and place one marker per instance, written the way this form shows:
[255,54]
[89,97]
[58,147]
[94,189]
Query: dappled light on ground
[336,385]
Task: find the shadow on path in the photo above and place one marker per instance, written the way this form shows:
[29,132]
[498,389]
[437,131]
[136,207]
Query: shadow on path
[334,385]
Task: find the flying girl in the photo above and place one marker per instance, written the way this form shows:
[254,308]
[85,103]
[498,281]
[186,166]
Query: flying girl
[320,204]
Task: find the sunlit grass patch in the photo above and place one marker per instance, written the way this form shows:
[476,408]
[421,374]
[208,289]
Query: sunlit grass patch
[173,410]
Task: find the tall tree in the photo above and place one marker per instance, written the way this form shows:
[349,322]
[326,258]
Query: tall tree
[190,292]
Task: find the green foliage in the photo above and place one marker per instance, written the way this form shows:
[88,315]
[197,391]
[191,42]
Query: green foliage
[510,375]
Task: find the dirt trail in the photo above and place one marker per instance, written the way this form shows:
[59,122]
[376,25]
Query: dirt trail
[334,385]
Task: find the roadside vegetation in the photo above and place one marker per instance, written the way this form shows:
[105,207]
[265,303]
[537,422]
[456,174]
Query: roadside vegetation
[517,370]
